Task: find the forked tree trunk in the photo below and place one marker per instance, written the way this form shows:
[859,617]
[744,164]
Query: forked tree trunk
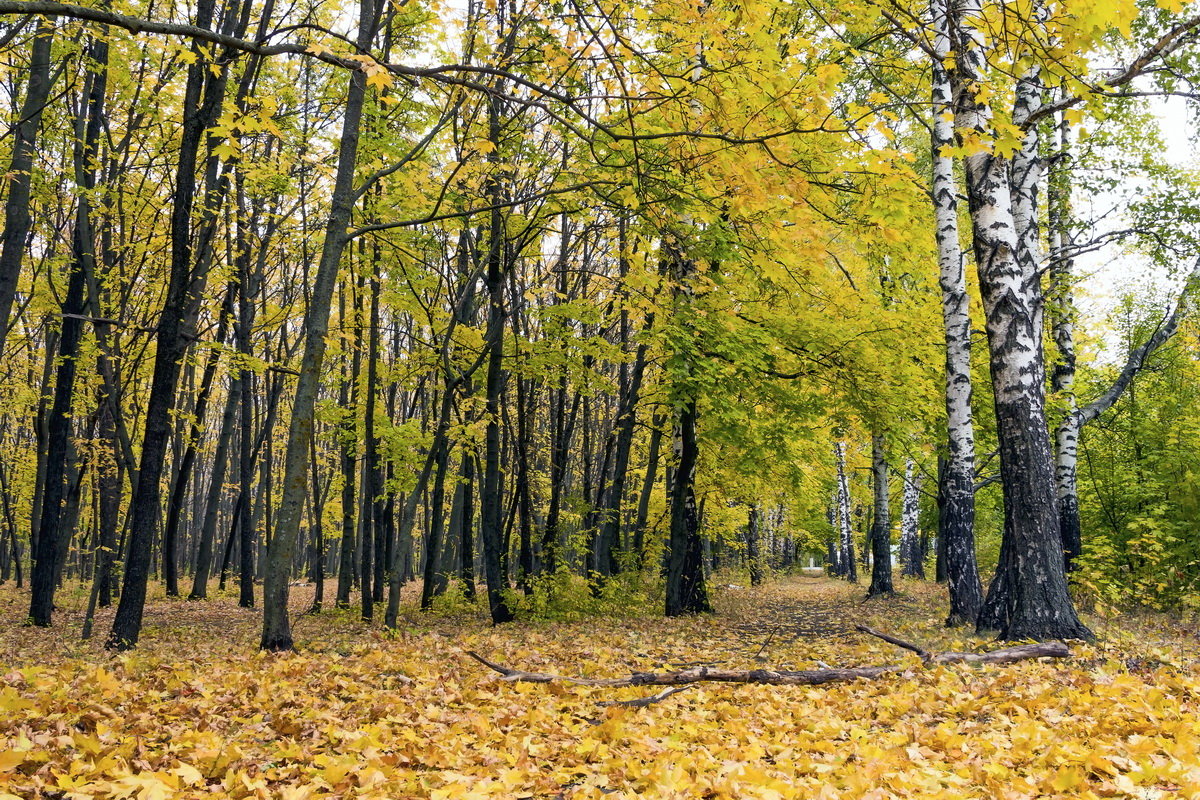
[1031,590]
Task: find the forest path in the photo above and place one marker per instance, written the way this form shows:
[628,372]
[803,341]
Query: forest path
[797,617]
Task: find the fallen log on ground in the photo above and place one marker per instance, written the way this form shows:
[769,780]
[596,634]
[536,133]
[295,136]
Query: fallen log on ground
[1008,655]
[802,677]
[773,677]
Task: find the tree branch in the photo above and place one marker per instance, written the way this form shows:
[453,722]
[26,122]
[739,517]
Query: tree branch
[1138,356]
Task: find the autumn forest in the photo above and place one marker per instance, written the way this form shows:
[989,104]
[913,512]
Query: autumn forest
[410,398]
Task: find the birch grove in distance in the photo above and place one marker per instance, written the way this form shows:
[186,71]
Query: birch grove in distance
[550,304]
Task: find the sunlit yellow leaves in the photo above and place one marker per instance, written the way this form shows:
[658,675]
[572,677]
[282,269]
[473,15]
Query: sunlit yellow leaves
[11,759]
[200,718]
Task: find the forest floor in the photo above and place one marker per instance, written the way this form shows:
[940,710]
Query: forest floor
[195,712]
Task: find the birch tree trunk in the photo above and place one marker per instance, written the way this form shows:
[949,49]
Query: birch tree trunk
[956,521]
[910,543]
[1030,590]
[881,522]
[848,567]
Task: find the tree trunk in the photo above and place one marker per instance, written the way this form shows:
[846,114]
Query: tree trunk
[911,553]
[956,518]
[277,633]
[203,99]
[53,532]
[881,525]
[466,533]
[491,500]
[686,590]
[753,556]
[214,496]
[18,216]
[643,508]
[1036,601]
[847,563]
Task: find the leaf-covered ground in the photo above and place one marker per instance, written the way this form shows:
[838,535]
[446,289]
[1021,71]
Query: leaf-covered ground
[195,712]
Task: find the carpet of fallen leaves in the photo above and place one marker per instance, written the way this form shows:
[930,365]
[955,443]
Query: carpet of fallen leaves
[195,712]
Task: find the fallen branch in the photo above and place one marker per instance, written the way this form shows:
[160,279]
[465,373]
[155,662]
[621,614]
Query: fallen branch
[1008,655]
[802,677]
[642,702]
[682,679]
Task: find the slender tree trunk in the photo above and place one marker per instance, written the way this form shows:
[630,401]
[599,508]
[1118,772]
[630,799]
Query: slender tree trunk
[53,532]
[374,463]
[911,551]
[849,566]
[277,633]
[348,438]
[18,216]
[56,524]
[213,498]
[466,533]
[643,509]
[203,98]
[881,523]
[436,581]
[492,500]
[753,554]
[686,590]
[956,518]
[182,475]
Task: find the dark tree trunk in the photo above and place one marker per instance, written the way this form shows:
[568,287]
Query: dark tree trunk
[467,532]
[686,590]
[753,552]
[53,532]
[643,509]
[317,552]
[374,463]
[347,436]
[492,501]
[247,528]
[18,217]
[203,98]
[183,473]
[214,496]
[435,576]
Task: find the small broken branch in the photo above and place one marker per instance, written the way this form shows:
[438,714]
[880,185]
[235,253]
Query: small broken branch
[922,652]
[1008,655]
[642,702]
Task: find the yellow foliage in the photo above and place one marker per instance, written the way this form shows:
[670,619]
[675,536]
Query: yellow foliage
[196,714]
